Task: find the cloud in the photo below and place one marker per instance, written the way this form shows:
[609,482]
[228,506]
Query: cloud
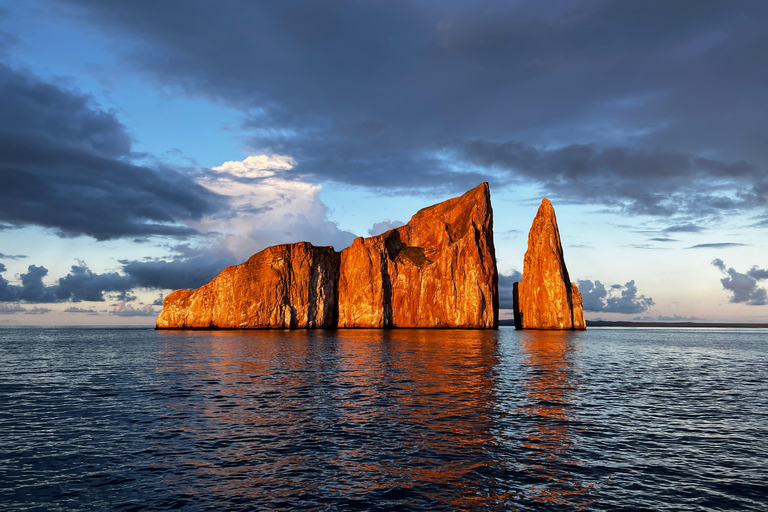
[384,226]
[188,273]
[662,239]
[11,309]
[74,309]
[32,288]
[12,256]
[80,284]
[595,101]
[37,311]
[83,284]
[718,245]
[684,228]
[662,318]
[678,318]
[616,299]
[6,39]
[506,298]
[719,264]
[66,166]
[266,207]
[743,287]
[124,309]
[633,181]
[758,273]
[257,166]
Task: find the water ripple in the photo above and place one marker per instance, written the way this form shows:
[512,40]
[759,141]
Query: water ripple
[608,419]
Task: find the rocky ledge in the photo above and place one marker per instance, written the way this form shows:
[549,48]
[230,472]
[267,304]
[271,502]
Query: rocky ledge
[439,270]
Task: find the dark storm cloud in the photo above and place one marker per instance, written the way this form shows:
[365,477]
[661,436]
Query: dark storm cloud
[80,284]
[643,182]
[506,298]
[743,287]
[32,288]
[615,299]
[83,284]
[188,273]
[6,39]
[64,165]
[416,95]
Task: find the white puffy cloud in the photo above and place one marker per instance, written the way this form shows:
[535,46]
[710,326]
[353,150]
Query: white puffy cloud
[257,166]
[267,209]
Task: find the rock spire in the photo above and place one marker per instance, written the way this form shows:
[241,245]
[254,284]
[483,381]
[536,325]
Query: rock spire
[546,299]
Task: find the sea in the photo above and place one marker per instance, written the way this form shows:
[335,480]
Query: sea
[132,419]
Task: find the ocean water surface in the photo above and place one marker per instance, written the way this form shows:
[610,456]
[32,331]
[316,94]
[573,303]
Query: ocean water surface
[607,419]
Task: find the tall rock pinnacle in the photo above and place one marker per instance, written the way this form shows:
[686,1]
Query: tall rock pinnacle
[546,297]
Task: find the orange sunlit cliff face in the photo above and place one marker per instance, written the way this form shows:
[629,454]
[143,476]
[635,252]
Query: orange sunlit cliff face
[439,270]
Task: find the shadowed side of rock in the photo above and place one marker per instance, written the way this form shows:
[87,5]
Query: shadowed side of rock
[439,270]
[546,299]
[284,286]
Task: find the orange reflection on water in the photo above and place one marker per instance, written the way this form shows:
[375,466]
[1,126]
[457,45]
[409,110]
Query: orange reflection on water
[362,412]
[550,381]
[376,409]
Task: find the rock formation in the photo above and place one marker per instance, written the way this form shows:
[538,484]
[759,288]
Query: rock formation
[439,270]
[285,286]
[579,323]
[546,299]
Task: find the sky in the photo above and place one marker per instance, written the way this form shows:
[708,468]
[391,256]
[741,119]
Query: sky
[145,146]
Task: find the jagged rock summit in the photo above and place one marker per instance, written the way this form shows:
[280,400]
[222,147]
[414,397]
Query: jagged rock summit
[546,299]
[439,270]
